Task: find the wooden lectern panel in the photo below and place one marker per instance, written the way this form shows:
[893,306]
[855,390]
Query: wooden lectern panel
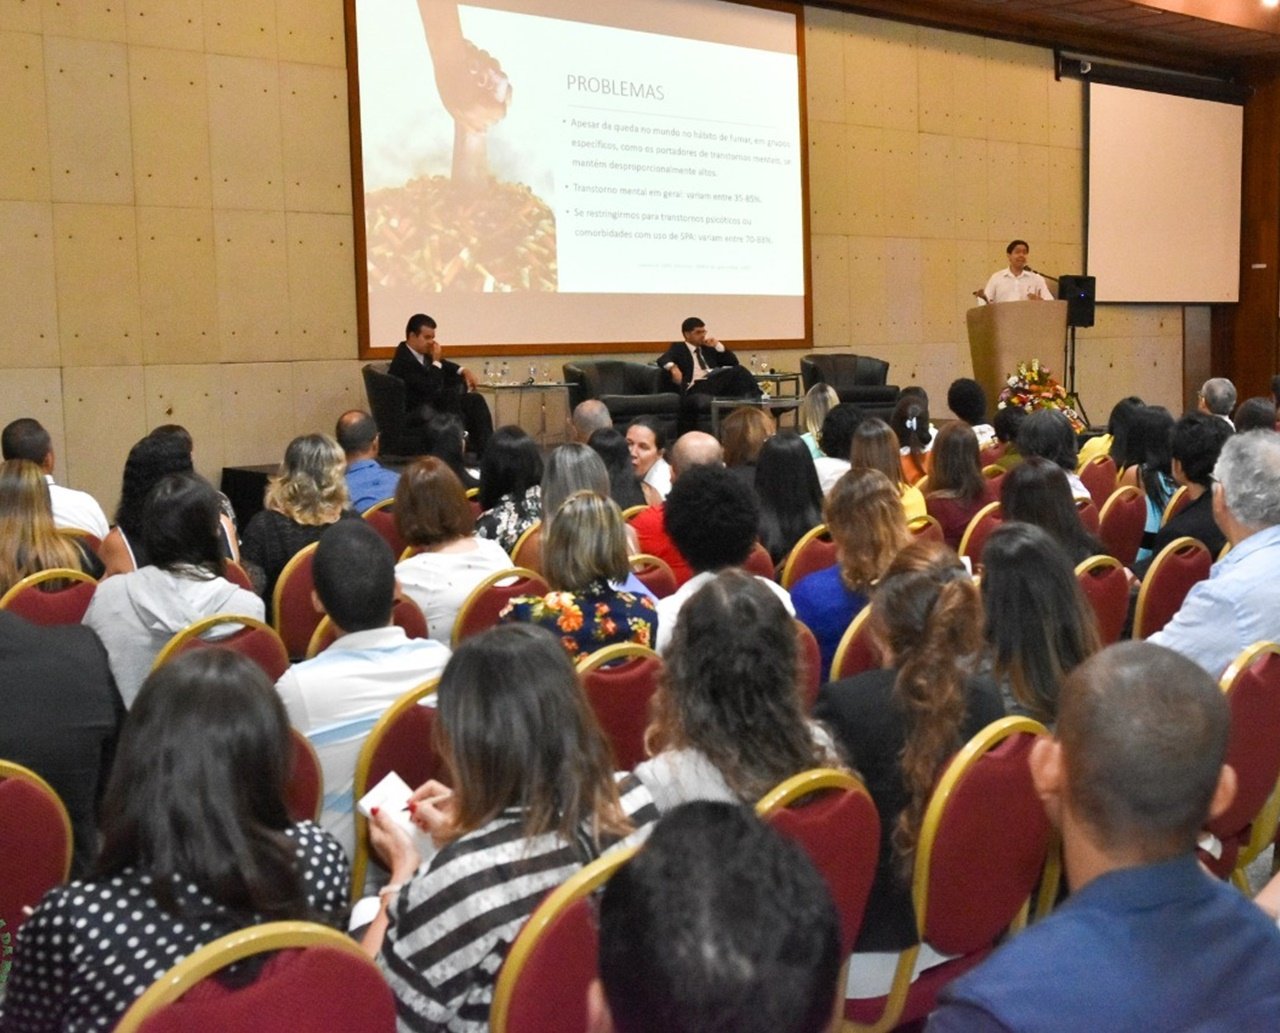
[1005,333]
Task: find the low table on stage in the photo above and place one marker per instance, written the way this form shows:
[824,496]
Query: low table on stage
[541,387]
[777,406]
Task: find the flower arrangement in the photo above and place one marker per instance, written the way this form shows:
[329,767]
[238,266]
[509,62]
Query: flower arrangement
[1032,387]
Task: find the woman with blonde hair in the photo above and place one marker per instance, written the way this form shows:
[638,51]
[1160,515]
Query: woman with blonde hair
[584,554]
[817,402]
[875,447]
[306,496]
[29,541]
[742,434]
[864,515]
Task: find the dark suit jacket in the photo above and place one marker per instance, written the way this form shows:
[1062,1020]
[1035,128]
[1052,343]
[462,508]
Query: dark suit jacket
[1194,521]
[427,384]
[679,354]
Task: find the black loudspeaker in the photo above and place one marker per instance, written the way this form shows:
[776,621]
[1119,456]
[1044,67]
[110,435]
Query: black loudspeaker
[1080,294]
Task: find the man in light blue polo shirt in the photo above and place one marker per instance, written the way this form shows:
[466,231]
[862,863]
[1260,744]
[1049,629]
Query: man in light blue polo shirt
[368,481]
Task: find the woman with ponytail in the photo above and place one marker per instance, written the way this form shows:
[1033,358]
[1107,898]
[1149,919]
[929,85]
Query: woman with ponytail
[900,725]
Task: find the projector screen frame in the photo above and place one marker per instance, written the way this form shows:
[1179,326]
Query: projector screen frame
[370,351]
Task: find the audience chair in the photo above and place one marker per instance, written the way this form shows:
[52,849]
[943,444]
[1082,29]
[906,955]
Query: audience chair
[994,474]
[401,741]
[56,596]
[237,575]
[1252,687]
[259,642]
[1171,575]
[320,981]
[304,792]
[832,816]
[858,651]
[1089,516]
[293,614]
[527,551]
[636,510]
[387,405]
[381,519]
[809,662]
[404,614]
[480,610]
[86,539]
[1106,585]
[473,500]
[1099,476]
[654,573]
[35,847]
[975,536]
[1122,523]
[760,563]
[619,681]
[983,849]
[1179,501]
[926,528]
[813,552]
[542,985]
[993,452]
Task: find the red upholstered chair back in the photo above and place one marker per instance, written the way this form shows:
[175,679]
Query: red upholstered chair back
[809,661]
[527,551]
[383,520]
[831,815]
[619,681]
[975,536]
[858,650]
[1106,586]
[258,641]
[293,614]
[237,575]
[1181,500]
[35,845]
[480,610]
[995,476]
[313,984]
[926,528]
[304,792]
[1178,566]
[1089,515]
[1099,476]
[989,455]
[57,596]
[813,552]
[760,563]
[1120,526]
[654,573]
[404,614]
[542,986]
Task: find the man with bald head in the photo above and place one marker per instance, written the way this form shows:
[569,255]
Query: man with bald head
[368,481]
[693,448]
[589,417]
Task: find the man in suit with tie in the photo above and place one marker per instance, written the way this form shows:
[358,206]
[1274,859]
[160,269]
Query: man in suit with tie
[702,368]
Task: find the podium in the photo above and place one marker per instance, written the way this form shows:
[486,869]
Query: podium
[1008,332]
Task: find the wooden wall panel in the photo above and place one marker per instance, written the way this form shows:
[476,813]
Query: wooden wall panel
[104,411]
[84,19]
[251,253]
[189,395]
[310,32]
[313,113]
[172,24]
[322,295]
[241,28]
[29,331]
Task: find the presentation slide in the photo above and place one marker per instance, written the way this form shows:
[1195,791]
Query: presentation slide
[533,177]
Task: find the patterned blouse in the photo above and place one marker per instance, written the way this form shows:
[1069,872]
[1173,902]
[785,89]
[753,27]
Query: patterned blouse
[585,621]
[511,517]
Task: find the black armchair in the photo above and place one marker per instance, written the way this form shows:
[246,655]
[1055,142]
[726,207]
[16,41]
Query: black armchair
[628,389]
[859,379]
[386,403]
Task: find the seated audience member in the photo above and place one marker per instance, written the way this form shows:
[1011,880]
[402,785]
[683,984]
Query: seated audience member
[1239,604]
[230,530]
[900,726]
[837,443]
[149,460]
[693,448]
[533,798]
[1218,397]
[875,447]
[1148,444]
[910,422]
[712,520]
[136,613]
[434,518]
[196,844]
[1255,414]
[1194,447]
[957,488]
[1039,626]
[588,417]
[1007,422]
[742,434]
[624,485]
[1036,492]
[647,442]
[715,883]
[368,481]
[335,698]
[510,487]
[817,402]
[968,401]
[728,722]
[584,553]
[1147,940]
[1114,441]
[446,439]
[29,541]
[1048,434]
[787,489]
[24,438]
[868,528]
[305,497]
[61,714]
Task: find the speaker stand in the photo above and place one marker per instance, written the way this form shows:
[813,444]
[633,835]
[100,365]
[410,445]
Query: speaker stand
[1069,357]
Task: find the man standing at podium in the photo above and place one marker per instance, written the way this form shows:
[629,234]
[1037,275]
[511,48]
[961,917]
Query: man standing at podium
[1017,283]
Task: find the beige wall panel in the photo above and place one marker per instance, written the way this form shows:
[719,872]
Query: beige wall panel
[29,331]
[901,187]
[1003,190]
[969,173]
[85,19]
[177,285]
[96,264]
[191,396]
[829,196]
[830,284]
[1065,198]
[969,87]
[1066,113]
[937,196]
[904,287]
[253,286]
[868,287]
[244,132]
[1017,92]
[975,261]
[903,359]
[36,393]
[257,410]
[824,64]
[936,82]
[170,115]
[243,28]
[865,153]
[21,15]
[323,391]
[87,84]
[311,32]
[939,291]
[322,298]
[105,415]
[24,158]
[938,363]
[1033,182]
[173,24]
[313,117]
[880,71]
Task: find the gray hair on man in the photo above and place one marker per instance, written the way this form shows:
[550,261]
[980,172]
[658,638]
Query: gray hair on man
[1219,395]
[1248,469]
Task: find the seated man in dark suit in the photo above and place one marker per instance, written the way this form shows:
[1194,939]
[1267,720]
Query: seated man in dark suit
[702,368]
[434,384]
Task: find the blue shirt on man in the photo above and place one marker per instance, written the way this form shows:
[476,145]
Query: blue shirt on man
[369,482]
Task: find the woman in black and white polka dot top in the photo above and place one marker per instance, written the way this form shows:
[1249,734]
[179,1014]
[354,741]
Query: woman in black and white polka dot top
[196,844]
